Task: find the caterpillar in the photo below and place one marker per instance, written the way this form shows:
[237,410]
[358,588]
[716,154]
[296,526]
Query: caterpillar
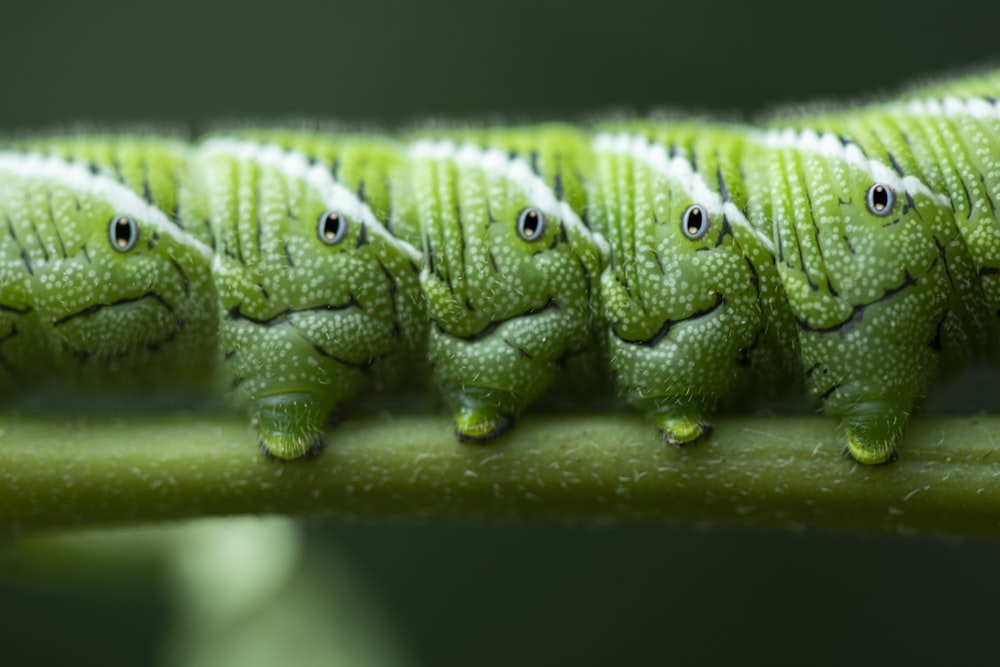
[855,252]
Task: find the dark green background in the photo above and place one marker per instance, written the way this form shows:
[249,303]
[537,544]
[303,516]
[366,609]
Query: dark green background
[496,593]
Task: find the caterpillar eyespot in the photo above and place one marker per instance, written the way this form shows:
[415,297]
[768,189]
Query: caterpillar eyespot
[531,224]
[880,199]
[332,227]
[695,222]
[803,282]
[123,233]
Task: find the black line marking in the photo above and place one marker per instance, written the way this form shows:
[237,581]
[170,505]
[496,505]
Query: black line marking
[364,366]
[175,212]
[895,165]
[826,394]
[15,309]
[986,193]
[25,257]
[726,230]
[819,246]
[393,288]
[667,325]
[802,259]
[558,186]
[659,264]
[723,190]
[461,244]
[520,350]
[362,236]
[236,312]
[27,262]
[847,242]
[755,280]
[493,326]
[857,311]
[90,310]
[288,257]
[493,261]
[260,232]
[184,279]
[41,243]
[55,224]
[157,345]
[781,245]
[430,256]
[968,198]
[943,254]
[910,205]
[936,340]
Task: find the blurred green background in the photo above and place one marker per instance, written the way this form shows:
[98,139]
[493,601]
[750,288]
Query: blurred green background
[497,593]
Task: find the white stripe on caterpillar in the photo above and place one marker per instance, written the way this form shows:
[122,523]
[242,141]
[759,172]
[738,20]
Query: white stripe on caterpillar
[78,177]
[680,170]
[296,165]
[516,170]
[951,107]
[830,146]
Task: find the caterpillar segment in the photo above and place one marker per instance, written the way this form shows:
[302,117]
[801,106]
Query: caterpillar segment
[691,299]
[100,287]
[315,298]
[510,267]
[947,137]
[862,252]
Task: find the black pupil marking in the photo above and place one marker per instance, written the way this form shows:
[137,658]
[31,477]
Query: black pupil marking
[530,224]
[694,222]
[123,233]
[880,199]
[332,227]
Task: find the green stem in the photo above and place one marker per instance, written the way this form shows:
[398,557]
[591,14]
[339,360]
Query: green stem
[753,470]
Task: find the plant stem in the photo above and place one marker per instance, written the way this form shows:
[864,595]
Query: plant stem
[787,471]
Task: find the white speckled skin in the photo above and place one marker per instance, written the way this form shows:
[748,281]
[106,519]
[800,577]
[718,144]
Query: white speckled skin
[506,312]
[304,322]
[854,251]
[73,305]
[802,267]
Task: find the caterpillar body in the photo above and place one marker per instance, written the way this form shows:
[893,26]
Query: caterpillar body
[855,252]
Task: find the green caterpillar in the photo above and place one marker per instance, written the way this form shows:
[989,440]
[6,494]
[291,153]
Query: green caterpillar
[855,252]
